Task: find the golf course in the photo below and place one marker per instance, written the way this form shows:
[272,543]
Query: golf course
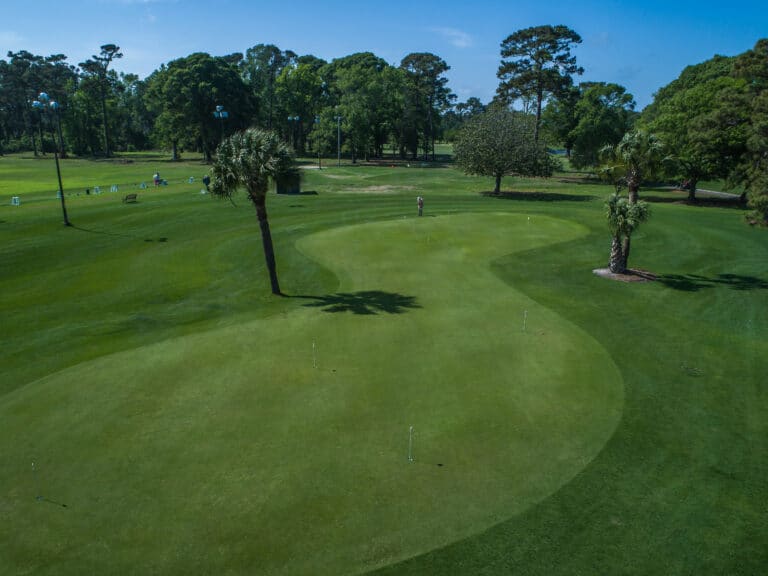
[456,393]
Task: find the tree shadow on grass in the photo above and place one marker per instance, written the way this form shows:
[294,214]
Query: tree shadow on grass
[540,196]
[119,235]
[695,282]
[702,202]
[366,302]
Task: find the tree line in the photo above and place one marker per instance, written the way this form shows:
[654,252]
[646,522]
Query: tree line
[711,120]
[376,107]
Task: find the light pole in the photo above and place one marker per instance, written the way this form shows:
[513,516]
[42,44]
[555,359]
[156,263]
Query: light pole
[222,115]
[42,103]
[338,139]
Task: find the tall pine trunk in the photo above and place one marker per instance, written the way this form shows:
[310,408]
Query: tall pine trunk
[107,151]
[260,202]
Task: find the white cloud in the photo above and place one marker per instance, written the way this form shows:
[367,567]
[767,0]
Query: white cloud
[456,37]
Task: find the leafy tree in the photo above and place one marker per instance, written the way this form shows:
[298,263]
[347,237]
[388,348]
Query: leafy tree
[624,217]
[300,91]
[558,119]
[603,114]
[684,114]
[470,108]
[426,95]
[539,63]
[690,77]
[134,120]
[185,93]
[260,69]
[97,68]
[455,118]
[366,92]
[752,173]
[22,78]
[501,143]
[251,159]
[82,122]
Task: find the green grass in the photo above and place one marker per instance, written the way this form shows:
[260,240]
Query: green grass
[192,423]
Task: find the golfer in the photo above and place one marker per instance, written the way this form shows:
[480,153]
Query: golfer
[420,204]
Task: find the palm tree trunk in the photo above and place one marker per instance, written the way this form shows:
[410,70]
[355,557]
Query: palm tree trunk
[633,190]
[266,239]
[617,263]
[625,246]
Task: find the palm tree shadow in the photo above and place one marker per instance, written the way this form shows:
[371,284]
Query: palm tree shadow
[366,302]
[118,235]
[696,282]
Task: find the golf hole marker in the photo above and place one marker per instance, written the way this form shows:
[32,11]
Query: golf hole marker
[410,444]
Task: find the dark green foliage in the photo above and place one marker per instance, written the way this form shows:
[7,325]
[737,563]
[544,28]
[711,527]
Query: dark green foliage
[537,62]
[602,115]
[367,93]
[427,97]
[752,67]
[500,143]
[260,68]
[687,115]
[300,91]
[636,157]
[185,94]
[97,69]
[558,119]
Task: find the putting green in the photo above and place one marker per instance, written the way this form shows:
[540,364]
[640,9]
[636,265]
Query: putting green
[281,446]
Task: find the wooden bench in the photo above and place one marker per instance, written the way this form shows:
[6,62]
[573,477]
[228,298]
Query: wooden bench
[130,198]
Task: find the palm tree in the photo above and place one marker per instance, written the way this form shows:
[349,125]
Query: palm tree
[624,217]
[251,159]
[638,155]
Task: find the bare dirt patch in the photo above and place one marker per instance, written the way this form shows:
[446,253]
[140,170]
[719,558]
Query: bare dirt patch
[632,275]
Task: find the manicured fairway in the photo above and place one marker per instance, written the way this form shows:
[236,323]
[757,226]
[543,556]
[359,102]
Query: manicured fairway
[298,459]
[181,420]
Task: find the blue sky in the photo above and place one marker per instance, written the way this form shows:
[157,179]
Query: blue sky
[642,45]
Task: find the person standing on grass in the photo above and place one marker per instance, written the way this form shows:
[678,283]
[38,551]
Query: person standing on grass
[420,204]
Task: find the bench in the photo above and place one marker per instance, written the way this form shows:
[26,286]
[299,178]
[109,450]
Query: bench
[130,198]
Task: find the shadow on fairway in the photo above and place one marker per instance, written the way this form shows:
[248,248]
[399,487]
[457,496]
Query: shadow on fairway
[540,196]
[701,201]
[695,282]
[364,303]
[118,235]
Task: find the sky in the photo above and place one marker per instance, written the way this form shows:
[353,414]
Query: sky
[642,45]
